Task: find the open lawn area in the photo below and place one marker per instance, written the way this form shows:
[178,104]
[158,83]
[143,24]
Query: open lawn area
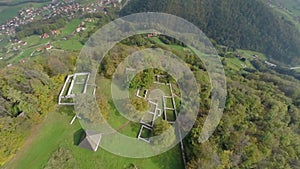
[114,118]
[70,27]
[146,133]
[171,115]
[56,132]
[164,88]
[248,54]
[237,64]
[35,40]
[71,44]
[176,47]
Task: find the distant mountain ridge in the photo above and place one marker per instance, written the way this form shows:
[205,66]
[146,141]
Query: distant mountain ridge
[235,23]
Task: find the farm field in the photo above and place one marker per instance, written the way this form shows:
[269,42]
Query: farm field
[7,12]
[236,64]
[34,42]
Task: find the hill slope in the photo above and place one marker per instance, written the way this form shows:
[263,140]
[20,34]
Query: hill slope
[235,23]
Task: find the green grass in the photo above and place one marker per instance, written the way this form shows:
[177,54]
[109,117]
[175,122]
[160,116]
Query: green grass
[115,119]
[78,88]
[131,130]
[57,132]
[178,103]
[146,133]
[104,86]
[7,12]
[236,64]
[35,40]
[176,89]
[170,115]
[176,47]
[164,88]
[71,44]
[22,55]
[4,40]
[248,54]
[169,102]
[81,79]
[70,27]
[67,88]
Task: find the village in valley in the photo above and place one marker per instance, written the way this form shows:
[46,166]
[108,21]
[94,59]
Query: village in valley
[56,8]
[81,20]
[78,19]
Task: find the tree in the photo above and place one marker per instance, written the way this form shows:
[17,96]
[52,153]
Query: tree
[140,104]
[147,78]
[165,131]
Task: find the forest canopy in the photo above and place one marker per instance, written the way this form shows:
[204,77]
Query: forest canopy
[239,24]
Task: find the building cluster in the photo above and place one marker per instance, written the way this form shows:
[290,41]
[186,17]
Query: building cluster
[55,8]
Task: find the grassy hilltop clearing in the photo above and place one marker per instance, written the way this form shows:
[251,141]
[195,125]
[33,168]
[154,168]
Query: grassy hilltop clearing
[261,120]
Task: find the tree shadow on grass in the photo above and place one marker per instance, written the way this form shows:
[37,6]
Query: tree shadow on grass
[77,136]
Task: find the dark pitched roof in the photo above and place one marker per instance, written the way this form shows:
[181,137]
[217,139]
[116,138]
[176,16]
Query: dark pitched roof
[91,141]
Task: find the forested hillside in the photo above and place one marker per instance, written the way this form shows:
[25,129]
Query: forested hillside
[27,93]
[259,128]
[235,23]
[261,122]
